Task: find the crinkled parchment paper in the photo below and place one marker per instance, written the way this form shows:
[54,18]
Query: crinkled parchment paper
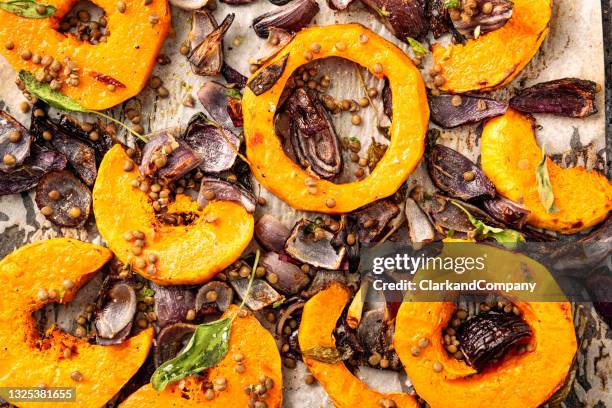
[574,47]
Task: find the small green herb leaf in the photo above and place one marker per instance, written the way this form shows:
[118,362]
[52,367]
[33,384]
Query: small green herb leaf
[383,12]
[52,98]
[233,93]
[544,187]
[417,47]
[449,4]
[144,293]
[328,354]
[208,345]
[28,9]
[278,304]
[507,237]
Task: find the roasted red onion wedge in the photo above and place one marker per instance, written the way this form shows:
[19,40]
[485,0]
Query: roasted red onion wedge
[313,136]
[439,19]
[457,176]
[322,280]
[217,189]
[171,340]
[216,98]
[450,111]
[261,295]
[213,297]
[291,17]
[271,233]
[114,320]
[290,278]
[506,211]
[449,217]
[63,199]
[172,303]
[571,97]
[482,23]
[403,18]
[15,142]
[317,250]
[26,176]
[206,56]
[176,156]
[374,218]
[286,315]
[267,77]
[212,144]
[339,4]
[487,336]
[277,39]
[233,77]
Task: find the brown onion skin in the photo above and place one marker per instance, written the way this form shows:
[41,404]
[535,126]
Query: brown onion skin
[290,17]
[506,211]
[472,109]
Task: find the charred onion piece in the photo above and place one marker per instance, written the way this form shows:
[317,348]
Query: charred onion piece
[114,321]
[313,136]
[277,39]
[506,211]
[267,77]
[73,127]
[171,340]
[487,336]
[261,295]
[290,280]
[497,18]
[15,142]
[223,190]
[26,176]
[457,176]
[172,303]
[371,329]
[375,216]
[448,216]
[387,99]
[317,250]
[206,56]
[471,109]
[439,19]
[419,227]
[403,18]
[216,98]
[233,77]
[179,161]
[322,280]
[211,144]
[67,200]
[271,233]
[571,97]
[207,302]
[291,17]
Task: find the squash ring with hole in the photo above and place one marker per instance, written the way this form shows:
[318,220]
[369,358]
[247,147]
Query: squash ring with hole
[319,319]
[284,178]
[584,198]
[29,360]
[516,380]
[494,59]
[261,357]
[185,254]
[124,60]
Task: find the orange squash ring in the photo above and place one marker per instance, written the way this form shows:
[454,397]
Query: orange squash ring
[284,178]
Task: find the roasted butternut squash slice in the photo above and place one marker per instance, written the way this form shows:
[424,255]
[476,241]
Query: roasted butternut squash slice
[28,275]
[583,197]
[261,358]
[284,178]
[124,60]
[184,254]
[493,60]
[516,381]
[319,319]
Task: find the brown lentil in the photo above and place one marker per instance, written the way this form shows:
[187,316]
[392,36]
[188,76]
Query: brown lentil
[46,211]
[9,45]
[469,176]
[356,120]
[377,68]
[309,379]
[330,203]
[437,367]
[76,376]
[121,7]
[26,55]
